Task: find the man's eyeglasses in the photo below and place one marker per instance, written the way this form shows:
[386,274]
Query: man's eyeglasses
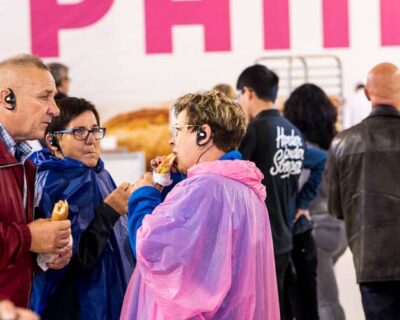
[237,96]
[82,133]
[176,129]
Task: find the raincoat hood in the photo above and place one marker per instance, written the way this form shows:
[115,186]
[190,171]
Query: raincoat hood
[245,172]
[44,160]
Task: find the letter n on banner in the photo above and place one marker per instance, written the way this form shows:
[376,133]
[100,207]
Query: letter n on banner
[48,18]
[276,24]
[336,23]
[161,15]
[390,22]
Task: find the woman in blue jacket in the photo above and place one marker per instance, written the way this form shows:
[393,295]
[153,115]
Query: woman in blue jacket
[93,285]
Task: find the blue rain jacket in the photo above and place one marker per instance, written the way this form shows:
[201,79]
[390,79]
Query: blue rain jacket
[100,289]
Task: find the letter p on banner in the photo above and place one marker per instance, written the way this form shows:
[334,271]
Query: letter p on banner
[48,17]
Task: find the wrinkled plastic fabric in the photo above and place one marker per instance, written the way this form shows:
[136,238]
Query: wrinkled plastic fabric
[101,290]
[206,252]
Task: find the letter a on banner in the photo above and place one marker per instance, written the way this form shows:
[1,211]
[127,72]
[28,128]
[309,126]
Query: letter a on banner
[161,15]
[48,18]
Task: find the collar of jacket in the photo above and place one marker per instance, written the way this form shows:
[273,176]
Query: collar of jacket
[268,113]
[5,156]
[384,110]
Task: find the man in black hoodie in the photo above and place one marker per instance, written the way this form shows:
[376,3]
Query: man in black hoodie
[277,147]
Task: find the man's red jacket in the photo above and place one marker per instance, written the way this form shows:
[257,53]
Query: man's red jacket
[16,261]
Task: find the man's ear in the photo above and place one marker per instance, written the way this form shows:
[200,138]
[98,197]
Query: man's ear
[367,94]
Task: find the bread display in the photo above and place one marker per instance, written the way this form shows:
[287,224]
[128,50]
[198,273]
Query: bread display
[144,130]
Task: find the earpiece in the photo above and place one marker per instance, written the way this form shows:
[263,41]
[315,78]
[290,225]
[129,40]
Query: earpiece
[201,134]
[54,141]
[11,100]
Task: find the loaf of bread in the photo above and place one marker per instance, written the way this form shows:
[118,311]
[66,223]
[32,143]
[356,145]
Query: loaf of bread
[144,130]
[60,211]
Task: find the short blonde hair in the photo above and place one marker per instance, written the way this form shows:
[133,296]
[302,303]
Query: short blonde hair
[225,117]
[226,89]
[24,60]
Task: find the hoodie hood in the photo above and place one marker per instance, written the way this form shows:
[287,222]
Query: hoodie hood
[242,171]
[44,160]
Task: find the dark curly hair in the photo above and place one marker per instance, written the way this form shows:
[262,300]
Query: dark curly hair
[310,110]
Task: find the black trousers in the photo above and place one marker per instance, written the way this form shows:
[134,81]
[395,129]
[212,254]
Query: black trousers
[285,278]
[381,300]
[304,290]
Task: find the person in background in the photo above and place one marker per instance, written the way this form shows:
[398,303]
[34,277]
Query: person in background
[277,148]
[356,108]
[310,110]
[60,73]
[226,89]
[206,250]
[93,285]
[363,176]
[27,107]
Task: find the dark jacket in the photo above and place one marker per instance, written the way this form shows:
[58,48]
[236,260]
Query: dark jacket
[15,237]
[276,146]
[363,174]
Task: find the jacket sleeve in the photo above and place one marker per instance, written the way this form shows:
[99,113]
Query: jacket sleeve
[143,201]
[95,237]
[248,145]
[314,160]
[15,240]
[333,182]
[184,250]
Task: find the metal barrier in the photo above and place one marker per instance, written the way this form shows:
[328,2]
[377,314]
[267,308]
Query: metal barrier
[322,70]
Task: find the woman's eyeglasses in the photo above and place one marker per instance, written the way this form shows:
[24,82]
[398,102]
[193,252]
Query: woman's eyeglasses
[176,129]
[82,133]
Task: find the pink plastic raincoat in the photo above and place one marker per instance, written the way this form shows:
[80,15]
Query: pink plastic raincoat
[206,251]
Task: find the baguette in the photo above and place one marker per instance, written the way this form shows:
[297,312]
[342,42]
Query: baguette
[60,211]
[165,166]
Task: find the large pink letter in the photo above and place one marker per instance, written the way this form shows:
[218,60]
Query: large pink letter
[336,23]
[48,17]
[276,24]
[161,15]
[390,22]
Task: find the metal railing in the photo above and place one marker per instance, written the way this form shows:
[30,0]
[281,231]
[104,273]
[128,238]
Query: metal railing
[322,70]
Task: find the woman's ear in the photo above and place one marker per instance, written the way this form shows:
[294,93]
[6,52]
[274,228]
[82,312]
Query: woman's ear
[52,142]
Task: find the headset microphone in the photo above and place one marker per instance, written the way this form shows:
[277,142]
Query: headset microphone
[11,100]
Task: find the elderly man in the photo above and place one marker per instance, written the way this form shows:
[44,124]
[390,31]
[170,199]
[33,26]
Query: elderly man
[205,252]
[27,106]
[363,176]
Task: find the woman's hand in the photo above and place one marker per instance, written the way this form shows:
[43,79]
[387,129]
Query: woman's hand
[118,199]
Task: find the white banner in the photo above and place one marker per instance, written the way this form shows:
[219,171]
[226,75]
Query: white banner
[124,54]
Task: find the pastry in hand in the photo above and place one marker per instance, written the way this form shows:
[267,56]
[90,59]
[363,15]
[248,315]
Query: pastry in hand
[60,211]
[165,166]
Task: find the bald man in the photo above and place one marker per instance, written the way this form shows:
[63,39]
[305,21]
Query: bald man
[363,175]
[27,106]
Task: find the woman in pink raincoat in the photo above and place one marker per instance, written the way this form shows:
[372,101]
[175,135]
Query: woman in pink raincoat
[205,251]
